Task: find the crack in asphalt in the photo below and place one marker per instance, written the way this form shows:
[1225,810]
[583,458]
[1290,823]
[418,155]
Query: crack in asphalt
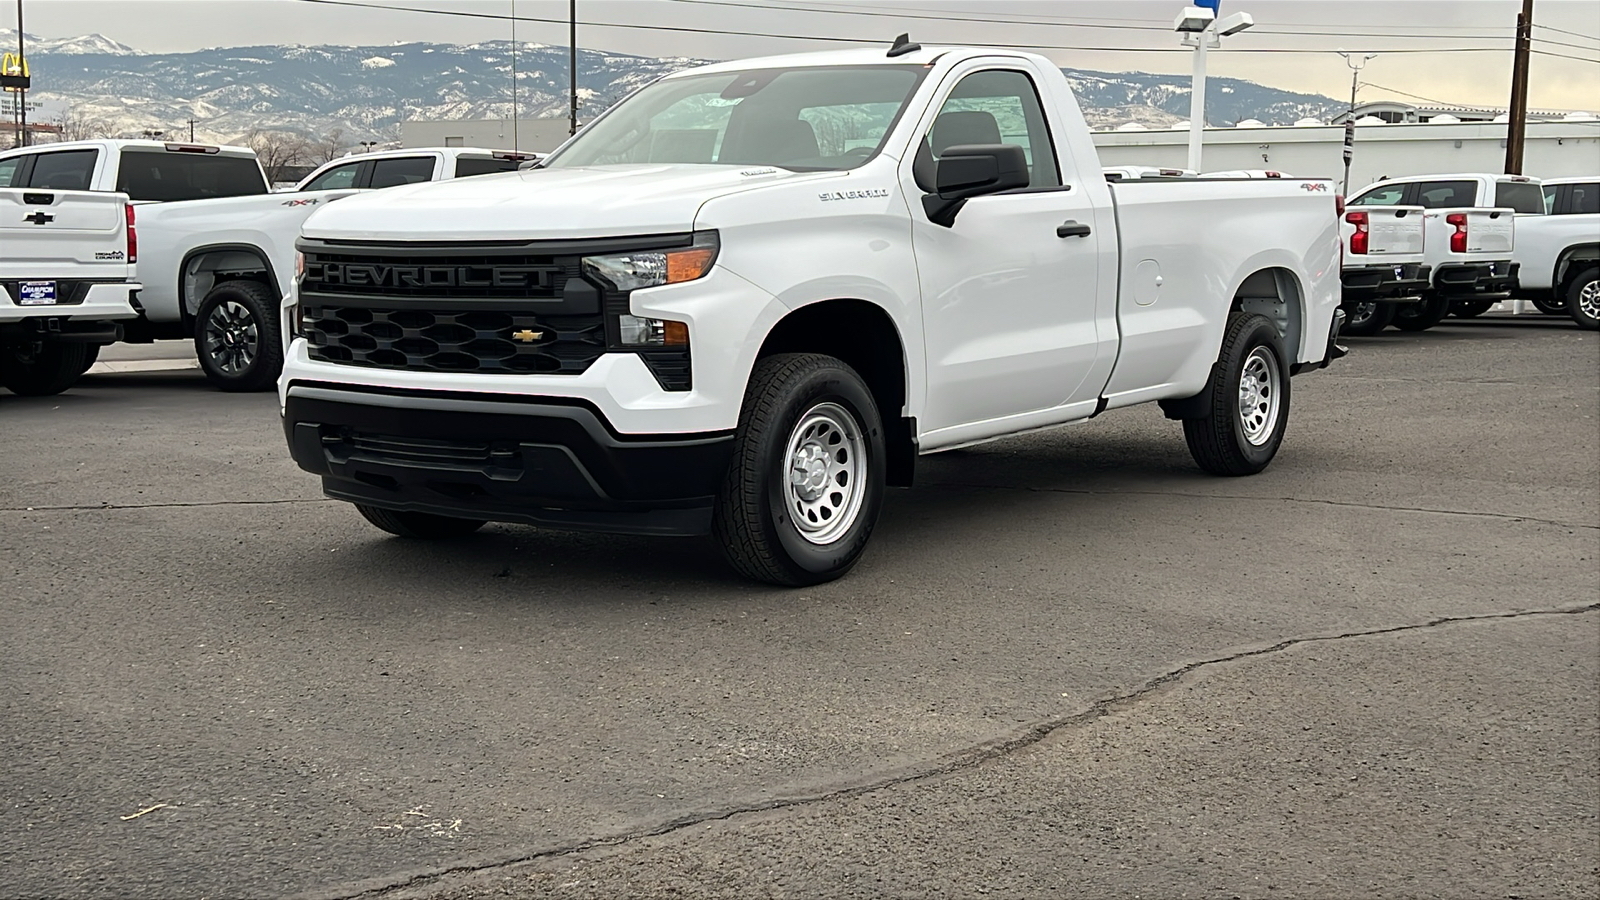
[958,761]
[175,505]
[1511,517]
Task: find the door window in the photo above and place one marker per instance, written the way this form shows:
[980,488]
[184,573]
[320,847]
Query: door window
[401,170]
[998,106]
[336,178]
[1583,199]
[1389,195]
[1520,196]
[468,166]
[64,170]
[1447,194]
[8,169]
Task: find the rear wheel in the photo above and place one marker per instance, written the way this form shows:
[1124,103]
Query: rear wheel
[805,484]
[1422,316]
[1366,318]
[38,369]
[236,336]
[424,526]
[1249,402]
[1583,299]
[1470,307]
[1551,304]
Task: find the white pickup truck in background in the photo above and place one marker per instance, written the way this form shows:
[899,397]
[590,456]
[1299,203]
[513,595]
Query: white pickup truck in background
[1560,251]
[1384,266]
[744,300]
[1469,240]
[65,283]
[217,246]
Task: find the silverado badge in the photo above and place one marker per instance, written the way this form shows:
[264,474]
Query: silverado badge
[527,335]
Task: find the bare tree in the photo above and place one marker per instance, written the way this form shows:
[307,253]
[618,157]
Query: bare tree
[329,147]
[77,127]
[277,151]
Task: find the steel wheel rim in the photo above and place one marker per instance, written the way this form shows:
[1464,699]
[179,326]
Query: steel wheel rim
[1258,396]
[1589,300]
[232,337]
[1362,313]
[824,464]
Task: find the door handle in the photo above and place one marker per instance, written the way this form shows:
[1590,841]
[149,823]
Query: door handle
[1070,228]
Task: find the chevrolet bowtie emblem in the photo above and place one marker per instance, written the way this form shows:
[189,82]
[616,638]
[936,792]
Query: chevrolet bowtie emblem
[527,335]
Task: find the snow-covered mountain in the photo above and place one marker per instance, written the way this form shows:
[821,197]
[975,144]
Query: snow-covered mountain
[367,91]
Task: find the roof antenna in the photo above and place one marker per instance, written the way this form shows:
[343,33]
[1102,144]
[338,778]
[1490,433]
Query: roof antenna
[903,45]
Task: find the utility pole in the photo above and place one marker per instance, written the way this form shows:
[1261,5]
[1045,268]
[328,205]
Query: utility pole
[21,95]
[1350,118]
[191,129]
[572,62]
[1518,126]
[515,145]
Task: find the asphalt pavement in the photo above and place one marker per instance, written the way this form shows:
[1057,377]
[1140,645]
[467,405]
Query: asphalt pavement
[1069,664]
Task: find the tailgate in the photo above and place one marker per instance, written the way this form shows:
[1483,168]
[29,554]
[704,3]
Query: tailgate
[1394,230]
[48,233]
[1491,230]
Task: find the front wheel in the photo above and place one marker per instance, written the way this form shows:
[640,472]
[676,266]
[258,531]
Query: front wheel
[805,484]
[1422,316]
[424,526]
[1249,402]
[37,369]
[1470,307]
[1367,318]
[236,336]
[1583,299]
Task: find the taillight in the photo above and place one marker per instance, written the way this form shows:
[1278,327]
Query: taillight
[133,236]
[1358,241]
[1458,241]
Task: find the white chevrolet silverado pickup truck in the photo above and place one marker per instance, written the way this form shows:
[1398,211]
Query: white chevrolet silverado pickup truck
[1384,266]
[66,265]
[1560,251]
[745,299]
[218,247]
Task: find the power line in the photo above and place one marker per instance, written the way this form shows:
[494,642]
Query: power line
[854,40]
[1587,59]
[1564,31]
[1391,90]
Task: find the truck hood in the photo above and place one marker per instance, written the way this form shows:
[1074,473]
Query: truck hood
[601,201]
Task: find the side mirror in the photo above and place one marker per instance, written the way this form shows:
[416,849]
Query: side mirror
[973,170]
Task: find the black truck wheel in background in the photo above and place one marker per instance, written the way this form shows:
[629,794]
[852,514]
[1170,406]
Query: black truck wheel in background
[1367,318]
[38,369]
[1249,409]
[1552,304]
[1422,316]
[236,336]
[1470,307]
[425,526]
[805,484]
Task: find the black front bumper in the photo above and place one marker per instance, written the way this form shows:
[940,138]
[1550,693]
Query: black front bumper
[1381,280]
[537,461]
[1496,277]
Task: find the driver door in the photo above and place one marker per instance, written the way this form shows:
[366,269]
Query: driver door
[1009,291]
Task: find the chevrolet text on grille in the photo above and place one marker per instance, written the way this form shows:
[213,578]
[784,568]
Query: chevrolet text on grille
[429,276]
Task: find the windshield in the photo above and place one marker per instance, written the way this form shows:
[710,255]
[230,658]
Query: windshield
[807,119]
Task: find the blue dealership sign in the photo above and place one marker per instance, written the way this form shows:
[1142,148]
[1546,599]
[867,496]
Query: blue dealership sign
[1213,5]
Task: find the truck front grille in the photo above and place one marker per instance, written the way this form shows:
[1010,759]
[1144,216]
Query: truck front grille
[489,341]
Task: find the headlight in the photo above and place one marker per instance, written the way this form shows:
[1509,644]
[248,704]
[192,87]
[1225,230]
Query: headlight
[651,268]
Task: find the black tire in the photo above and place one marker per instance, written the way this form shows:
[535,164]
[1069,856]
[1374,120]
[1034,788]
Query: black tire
[759,526]
[1422,316]
[1551,304]
[91,352]
[1470,307]
[36,369]
[422,526]
[1583,298]
[1366,318]
[1221,443]
[236,336]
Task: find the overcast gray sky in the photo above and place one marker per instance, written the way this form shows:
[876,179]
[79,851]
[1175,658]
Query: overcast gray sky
[1135,33]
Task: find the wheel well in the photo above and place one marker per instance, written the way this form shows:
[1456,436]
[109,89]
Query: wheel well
[862,335]
[203,269]
[1572,261]
[1275,293]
